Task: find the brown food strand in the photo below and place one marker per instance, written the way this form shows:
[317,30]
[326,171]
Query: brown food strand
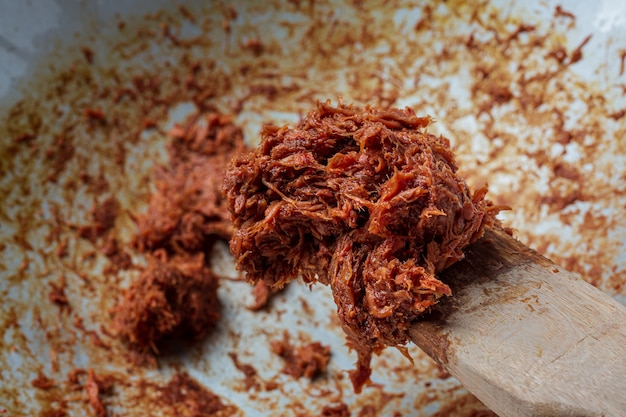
[251,376]
[42,381]
[262,294]
[57,293]
[93,388]
[103,219]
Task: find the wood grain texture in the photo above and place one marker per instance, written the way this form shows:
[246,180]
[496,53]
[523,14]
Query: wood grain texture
[527,337]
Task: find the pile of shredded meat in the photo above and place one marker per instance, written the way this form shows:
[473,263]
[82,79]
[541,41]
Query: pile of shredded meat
[174,298]
[364,200]
[176,295]
[187,212]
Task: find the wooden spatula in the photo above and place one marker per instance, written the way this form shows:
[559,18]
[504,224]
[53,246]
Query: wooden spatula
[526,337]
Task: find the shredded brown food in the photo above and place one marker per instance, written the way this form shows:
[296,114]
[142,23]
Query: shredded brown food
[187,213]
[262,294]
[172,298]
[186,397]
[308,360]
[176,296]
[104,215]
[364,200]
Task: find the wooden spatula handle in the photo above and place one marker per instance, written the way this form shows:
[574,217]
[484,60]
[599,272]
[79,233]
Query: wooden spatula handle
[527,337]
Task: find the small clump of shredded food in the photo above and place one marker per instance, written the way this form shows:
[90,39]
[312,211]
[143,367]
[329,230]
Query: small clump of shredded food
[365,200]
[186,213]
[175,296]
[172,298]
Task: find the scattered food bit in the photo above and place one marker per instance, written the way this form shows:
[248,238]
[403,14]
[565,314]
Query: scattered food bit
[335,410]
[262,294]
[364,200]
[577,54]
[189,398]
[57,292]
[309,360]
[251,378]
[103,215]
[73,379]
[88,53]
[186,13]
[53,413]
[94,114]
[24,137]
[253,44]
[560,12]
[119,258]
[42,381]
[61,249]
[93,387]
[173,298]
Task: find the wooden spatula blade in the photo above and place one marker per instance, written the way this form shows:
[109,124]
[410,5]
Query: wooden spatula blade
[527,337]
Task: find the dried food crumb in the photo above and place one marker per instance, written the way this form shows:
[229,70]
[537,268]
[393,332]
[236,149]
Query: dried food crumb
[251,377]
[94,386]
[57,292]
[262,294]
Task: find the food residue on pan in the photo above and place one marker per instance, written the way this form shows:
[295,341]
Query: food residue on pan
[80,148]
[184,396]
[307,360]
[175,297]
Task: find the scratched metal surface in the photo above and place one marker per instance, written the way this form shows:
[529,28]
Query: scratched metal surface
[389,53]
